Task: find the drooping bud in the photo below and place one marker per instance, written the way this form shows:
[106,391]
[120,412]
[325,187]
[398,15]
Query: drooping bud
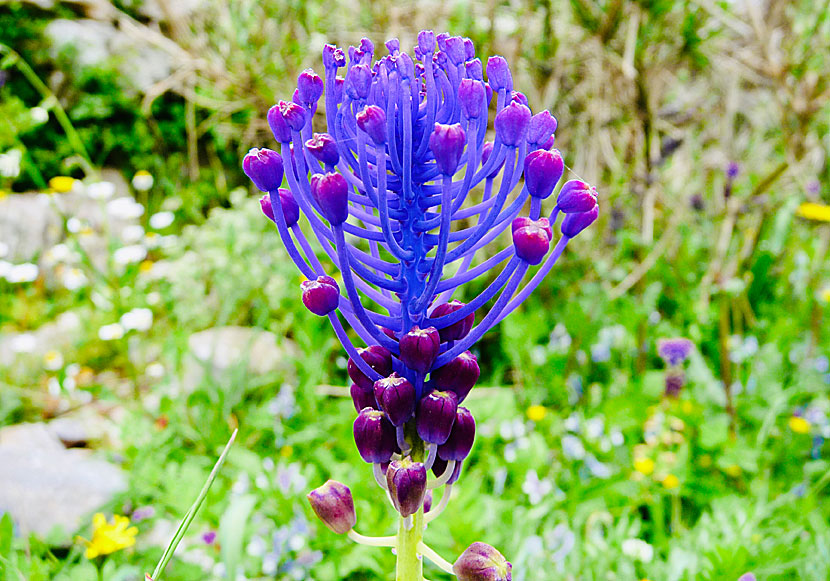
[531,238]
[481,562]
[264,168]
[576,196]
[471,95]
[498,74]
[332,503]
[378,358]
[542,127]
[511,124]
[362,398]
[310,86]
[407,482]
[321,296]
[439,466]
[372,120]
[462,435]
[447,145]
[395,396]
[458,376]
[573,224]
[374,435]
[486,151]
[324,148]
[542,172]
[457,330]
[674,351]
[290,209]
[419,348]
[436,415]
[331,191]
[358,82]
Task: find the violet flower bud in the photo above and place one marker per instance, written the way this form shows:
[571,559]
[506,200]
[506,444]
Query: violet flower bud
[264,168]
[476,71]
[481,562]
[542,172]
[520,98]
[293,114]
[290,209]
[459,375]
[674,351]
[362,398]
[447,145]
[469,49]
[441,39]
[675,380]
[455,50]
[426,41]
[428,501]
[531,238]
[395,396]
[576,196]
[457,330]
[463,433]
[393,45]
[332,194]
[573,224]
[358,82]
[333,57]
[374,435]
[332,503]
[324,148]
[321,296]
[280,129]
[406,67]
[498,73]
[486,151]
[419,348]
[542,127]
[407,482]
[338,88]
[439,466]
[378,358]
[471,95]
[372,120]
[511,124]
[436,415]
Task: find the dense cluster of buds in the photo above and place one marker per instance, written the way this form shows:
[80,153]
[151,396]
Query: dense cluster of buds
[403,194]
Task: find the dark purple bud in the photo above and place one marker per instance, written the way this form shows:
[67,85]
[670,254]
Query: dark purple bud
[475,71]
[674,351]
[543,169]
[378,358]
[576,196]
[541,128]
[362,398]
[264,168]
[520,98]
[395,396]
[459,375]
[511,124]
[428,501]
[457,330]
[549,143]
[293,114]
[375,436]
[531,238]
[498,73]
[447,145]
[331,191]
[460,442]
[732,170]
[573,224]
[333,504]
[439,466]
[290,209]
[675,380]
[321,296]
[372,120]
[486,150]
[469,49]
[471,95]
[310,86]
[324,148]
[333,57]
[426,41]
[481,562]
[358,82]
[393,45]
[436,415]
[419,348]
[455,50]
[407,482]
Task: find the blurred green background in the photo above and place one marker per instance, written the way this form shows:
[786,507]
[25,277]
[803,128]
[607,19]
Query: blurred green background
[147,309]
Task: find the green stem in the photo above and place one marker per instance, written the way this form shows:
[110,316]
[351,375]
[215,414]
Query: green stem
[409,566]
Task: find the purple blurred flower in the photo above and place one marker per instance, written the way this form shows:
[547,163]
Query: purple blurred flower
[674,351]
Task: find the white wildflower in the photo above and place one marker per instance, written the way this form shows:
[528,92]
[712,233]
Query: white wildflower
[52,360]
[140,319]
[101,190]
[161,220]
[111,332]
[10,163]
[26,272]
[39,114]
[129,254]
[142,180]
[124,208]
[638,550]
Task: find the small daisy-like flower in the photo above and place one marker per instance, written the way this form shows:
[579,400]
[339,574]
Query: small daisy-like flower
[671,482]
[52,360]
[799,425]
[109,537]
[62,184]
[111,332]
[536,413]
[142,180]
[644,466]
[101,190]
[137,319]
[161,220]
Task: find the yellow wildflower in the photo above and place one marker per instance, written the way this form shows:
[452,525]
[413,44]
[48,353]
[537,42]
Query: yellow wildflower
[286,451]
[799,425]
[825,295]
[671,481]
[734,470]
[62,184]
[145,266]
[537,413]
[812,211]
[109,537]
[644,465]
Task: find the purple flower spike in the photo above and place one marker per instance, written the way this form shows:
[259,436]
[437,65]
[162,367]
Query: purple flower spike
[419,348]
[436,415]
[372,120]
[498,73]
[542,172]
[310,86]
[531,238]
[542,127]
[458,445]
[358,82]
[481,562]
[333,504]
[378,358]
[573,224]
[374,436]
[576,197]
[290,209]
[471,94]
[264,168]
[457,330]
[321,296]
[459,375]
[407,482]
[362,398]
[332,194]
[324,148]
[511,124]
[486,150]
[447,144]
[395,396]
[426,41]
[674,351]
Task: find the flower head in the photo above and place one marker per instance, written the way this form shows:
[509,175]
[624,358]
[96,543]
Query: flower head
[109,537]
[674,351]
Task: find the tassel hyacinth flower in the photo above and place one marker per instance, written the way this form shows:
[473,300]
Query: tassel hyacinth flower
[404,193]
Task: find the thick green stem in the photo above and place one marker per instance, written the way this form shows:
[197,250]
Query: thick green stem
[410,566]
